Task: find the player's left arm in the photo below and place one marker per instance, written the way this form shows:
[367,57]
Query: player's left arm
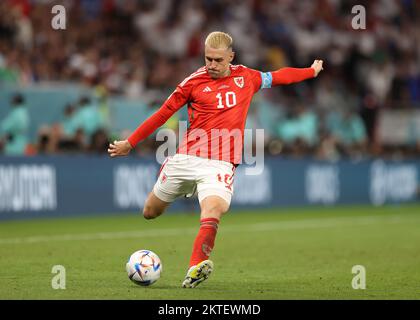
[175,101]
[290,75]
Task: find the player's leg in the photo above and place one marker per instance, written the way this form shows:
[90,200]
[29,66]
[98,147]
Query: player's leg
[212,209]
[174,181]
[154,207]
[214,195]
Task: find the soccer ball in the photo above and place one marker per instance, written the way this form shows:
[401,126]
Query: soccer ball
[144,267]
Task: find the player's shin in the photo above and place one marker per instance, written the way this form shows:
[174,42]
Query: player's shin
[204,241]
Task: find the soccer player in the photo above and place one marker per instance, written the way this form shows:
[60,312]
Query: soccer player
[218,97]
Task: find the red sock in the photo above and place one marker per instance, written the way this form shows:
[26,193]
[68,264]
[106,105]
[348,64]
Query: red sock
[204,241]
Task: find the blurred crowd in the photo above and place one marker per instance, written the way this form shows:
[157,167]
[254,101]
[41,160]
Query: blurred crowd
[82,129]
[143,49]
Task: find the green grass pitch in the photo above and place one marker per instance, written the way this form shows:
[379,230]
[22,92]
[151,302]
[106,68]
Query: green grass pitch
[265,254]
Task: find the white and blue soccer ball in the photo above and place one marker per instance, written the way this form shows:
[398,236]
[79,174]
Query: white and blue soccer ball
[144,267]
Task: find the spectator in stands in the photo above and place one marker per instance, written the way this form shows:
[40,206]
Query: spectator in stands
[327,148]
[139,49]
[71,133]
[45,143]
[299,130]
[88,118]
[69,125]
[349,130]
[61,137]
[100,142]
[414,135]
[73,145]
[14,127]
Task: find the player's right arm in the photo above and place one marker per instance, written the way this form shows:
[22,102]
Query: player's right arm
[293,75]
[286,75]
[317,66]
[175,101]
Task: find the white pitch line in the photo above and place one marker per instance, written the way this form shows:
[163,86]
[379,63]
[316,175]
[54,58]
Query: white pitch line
[258,227]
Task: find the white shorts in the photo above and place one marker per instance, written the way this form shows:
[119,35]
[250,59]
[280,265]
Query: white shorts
[185,175]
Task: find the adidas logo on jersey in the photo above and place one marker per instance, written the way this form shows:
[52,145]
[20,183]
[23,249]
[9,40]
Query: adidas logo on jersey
[207,89]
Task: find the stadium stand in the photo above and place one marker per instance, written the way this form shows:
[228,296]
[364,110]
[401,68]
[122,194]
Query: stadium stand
[127,57]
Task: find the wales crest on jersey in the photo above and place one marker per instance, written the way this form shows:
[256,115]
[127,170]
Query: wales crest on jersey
[239,81]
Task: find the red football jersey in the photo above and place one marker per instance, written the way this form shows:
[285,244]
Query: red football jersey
[217,109]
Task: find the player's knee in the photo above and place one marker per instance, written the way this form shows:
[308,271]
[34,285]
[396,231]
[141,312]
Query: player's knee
[215,211]
[150,213]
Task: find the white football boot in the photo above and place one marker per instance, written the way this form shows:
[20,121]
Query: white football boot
[197,274]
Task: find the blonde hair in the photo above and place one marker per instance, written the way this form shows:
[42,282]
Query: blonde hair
[219,40]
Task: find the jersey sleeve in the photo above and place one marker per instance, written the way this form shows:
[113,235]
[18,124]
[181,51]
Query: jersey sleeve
[285,76]
[175,101]
[256,79]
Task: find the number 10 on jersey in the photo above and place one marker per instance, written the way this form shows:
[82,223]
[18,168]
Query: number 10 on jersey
[230,100]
